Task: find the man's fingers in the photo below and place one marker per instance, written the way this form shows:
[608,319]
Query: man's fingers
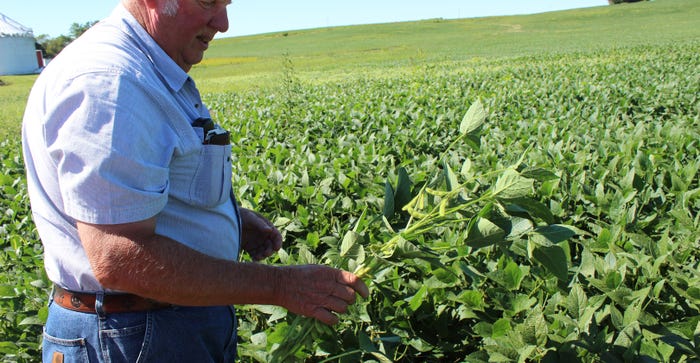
[325,316]
[276,241]
[349,279]
[261,237]
[337,305]
[264,249]
[346,293]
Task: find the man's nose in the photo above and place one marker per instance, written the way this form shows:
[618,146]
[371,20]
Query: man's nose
[220,21]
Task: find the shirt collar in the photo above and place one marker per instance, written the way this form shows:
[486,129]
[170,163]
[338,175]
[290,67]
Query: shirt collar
[173,75]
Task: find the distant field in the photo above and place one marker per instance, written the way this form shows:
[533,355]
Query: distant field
[13,96]
[374,50]
[329,54]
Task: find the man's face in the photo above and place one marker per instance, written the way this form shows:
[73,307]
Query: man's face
[186,35]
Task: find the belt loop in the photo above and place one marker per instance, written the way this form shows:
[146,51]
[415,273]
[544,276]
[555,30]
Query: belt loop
[99,300]
[52,293]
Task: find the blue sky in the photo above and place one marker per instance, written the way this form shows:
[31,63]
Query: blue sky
[54,17]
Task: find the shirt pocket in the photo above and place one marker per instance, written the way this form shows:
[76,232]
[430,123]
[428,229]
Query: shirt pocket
[203,178]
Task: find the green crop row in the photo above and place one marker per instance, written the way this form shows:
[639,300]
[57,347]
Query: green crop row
[23,285]
[543,208]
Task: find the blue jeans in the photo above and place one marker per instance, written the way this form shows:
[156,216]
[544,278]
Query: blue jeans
[177,334]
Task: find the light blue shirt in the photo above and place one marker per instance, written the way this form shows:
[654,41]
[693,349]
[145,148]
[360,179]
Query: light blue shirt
[107,139]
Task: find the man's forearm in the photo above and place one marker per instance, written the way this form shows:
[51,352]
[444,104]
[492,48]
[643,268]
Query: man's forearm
[165,270]
[133,259]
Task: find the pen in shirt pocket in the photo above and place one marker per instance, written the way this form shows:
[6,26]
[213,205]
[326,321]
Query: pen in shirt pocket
[213,134]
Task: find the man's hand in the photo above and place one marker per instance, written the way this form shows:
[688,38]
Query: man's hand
[319,291]
[315,291]
[260,238]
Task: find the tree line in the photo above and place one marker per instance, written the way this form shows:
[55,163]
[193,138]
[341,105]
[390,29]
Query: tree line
[613,2]
[52,46]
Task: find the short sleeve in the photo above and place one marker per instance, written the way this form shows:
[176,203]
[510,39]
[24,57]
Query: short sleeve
[111,149]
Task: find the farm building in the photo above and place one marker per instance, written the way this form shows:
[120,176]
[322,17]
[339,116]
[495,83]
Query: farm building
[18,53]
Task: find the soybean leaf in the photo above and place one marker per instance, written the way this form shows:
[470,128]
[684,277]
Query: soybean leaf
[631,314]
[576,302]
[594,304]
[525,353]
[417,300]
[259,339]
[279,333]
[627,336]
[450,177]
[473,119]
[43,314]
[554,259]
[539,174]
[275,312]
[7,292]
[519,226]
[381,357]
[470,127]
[31,320]
[361,222]
[587,264]
[522,302]
[551,234]
[305,256]
[693,293]
[534,329]
[8,347]
[532,207]
[7,181]
[679,343]
[402,194]
[474,299]
[389,196]
[500,328]
[483,233]
[514,275]
[483,329]
[510,276]
[406,249]
[366,343]
[512,185]
[349,242]
[420,345]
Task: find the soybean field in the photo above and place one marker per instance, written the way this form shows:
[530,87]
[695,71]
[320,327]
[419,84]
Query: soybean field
[534,208]
[539,209]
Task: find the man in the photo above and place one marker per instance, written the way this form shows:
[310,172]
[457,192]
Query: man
[130,185]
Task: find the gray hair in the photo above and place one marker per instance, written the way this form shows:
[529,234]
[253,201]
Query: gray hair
[170,7]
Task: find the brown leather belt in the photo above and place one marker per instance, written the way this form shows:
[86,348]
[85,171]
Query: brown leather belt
[111,304]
